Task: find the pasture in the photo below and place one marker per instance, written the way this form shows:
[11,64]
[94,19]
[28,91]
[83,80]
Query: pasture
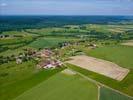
[121,55]
[16,79]
[110,28]
[108,94]
[48,42]
[62,87]
[124,86]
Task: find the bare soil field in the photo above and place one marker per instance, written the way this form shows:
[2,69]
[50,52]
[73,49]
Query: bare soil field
[128,43]
[100,66]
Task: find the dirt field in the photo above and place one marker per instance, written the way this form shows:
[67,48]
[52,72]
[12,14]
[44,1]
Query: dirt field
[100,66]
[128,43]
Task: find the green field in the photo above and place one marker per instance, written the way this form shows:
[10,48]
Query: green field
[124,86]
[62,87]
[48,42]
[108,94]
[109,28]
[16,79]
[121,55]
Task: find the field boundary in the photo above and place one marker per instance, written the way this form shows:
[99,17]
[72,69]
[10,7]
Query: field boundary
[100,84]
[99,92]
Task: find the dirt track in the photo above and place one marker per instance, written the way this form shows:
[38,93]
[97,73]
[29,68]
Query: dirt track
[100,66]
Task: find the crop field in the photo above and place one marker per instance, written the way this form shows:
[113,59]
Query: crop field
[108,94]
[121,55]
[62,87]
[50,42]
[14,41]
[16,33]
[50,31]
[16,79]
[100,66]
[110,28]
[124,86]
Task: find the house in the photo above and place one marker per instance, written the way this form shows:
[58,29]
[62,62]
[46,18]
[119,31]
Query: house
[45,53]
[93,46]
[2,36]
[49,64]
[42,64]
[18,61]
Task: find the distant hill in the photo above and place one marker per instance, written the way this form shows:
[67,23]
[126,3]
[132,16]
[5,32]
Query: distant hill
[22,22]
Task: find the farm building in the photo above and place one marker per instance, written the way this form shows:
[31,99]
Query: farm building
[49,64]
[93,46]
[18,61]
[4,36]
[45,53]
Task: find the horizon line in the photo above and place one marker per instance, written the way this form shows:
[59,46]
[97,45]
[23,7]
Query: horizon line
[58,15]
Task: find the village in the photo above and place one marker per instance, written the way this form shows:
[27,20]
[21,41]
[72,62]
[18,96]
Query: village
[46,58]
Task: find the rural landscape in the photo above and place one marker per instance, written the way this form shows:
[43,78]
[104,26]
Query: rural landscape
[66,49]
[66,60]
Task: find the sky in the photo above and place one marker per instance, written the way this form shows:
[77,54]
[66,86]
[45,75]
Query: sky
[66,7]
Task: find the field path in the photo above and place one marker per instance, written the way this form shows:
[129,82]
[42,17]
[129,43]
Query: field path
[100,84]
[99,92]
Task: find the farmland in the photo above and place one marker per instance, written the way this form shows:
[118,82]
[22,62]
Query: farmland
[117,54]
[63,87]
[124,86]
[50,42]
[107,94]
[15,79]
[105,44]
[103,67]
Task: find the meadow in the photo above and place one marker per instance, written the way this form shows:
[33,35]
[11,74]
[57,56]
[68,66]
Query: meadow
[108,94]
[16,79]
[124,86]
[121,55]
[49,42]
[62,87]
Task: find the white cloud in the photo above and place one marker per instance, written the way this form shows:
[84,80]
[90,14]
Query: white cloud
[3,4]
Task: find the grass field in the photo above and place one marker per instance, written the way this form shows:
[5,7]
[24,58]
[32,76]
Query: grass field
[121,55]
[124,86]
[16,51]
[62,87]
[16,79]
[110,28]
[107,94]
[11,72]
[50,42]
[16,40]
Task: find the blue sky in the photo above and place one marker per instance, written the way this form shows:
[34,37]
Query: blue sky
[66,7]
